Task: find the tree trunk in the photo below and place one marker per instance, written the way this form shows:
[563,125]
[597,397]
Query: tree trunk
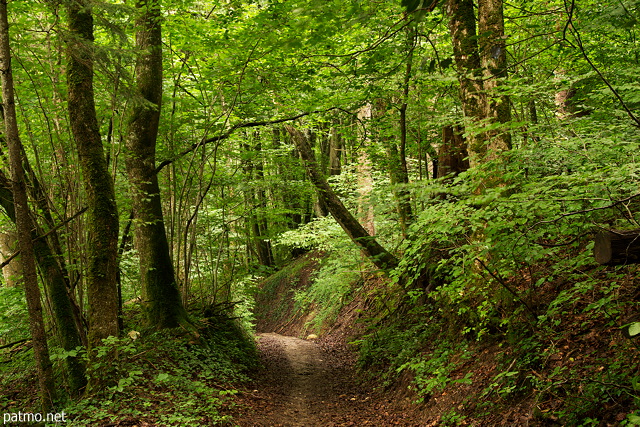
[366,212]
[102,292]
[335,150]
[23,222]
[493,56]
[462,26]
[68,316]
[256,204]
[12,272]
[380,257]
[161,298]
[452,154]
[319,207]
[266,250]
[400,174]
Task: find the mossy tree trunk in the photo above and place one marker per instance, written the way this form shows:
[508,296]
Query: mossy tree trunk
[481,63]
[493,57]
[102,222]
[68,319]
[161,298]
[462,26]
[12,272]
[23,222]
[380,257]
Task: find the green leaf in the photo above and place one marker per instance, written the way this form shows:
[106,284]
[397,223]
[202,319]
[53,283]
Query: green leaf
[631,330]
[633,419]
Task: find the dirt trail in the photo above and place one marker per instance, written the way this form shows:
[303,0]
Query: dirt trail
[306,380]
[306,384]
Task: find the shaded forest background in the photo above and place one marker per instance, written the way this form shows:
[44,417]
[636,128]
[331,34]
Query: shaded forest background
[450,163]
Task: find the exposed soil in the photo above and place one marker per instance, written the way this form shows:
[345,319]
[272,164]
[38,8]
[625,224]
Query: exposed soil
[304,383]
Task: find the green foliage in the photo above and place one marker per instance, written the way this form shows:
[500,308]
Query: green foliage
[452,418]
[322,233]
[501,252]
[330,288]
[433,372]
[14,319]
[167,378]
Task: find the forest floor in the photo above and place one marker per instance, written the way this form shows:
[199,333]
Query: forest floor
[316,382]
[309,383]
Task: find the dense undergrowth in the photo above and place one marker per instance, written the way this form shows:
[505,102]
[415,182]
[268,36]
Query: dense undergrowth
[498,294]
[169,378]
[498,312]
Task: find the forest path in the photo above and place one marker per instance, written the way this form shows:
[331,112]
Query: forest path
[305,384]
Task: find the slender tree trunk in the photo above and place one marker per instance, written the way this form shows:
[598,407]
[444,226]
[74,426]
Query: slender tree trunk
[50,259]
[493,56]
[380,257]
[161,297]
[68,318]
[405,212]
[335,150]
[255,200]
[12,272]
[266,250]
[30,277]
[325,158]
[366,212]
[102,219]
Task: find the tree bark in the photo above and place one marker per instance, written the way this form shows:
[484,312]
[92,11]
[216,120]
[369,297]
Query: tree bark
[493,56]
[68,317]
[256,203]
[400,171]
[462,26]
[380,257]
[30,277]
[102,292]
[452,154]
[161,298]
[335,151]
[12,272]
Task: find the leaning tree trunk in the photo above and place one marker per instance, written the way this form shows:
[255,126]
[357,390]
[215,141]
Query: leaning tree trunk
[30,277]
[380,257]
[102,292]
[161,297]
[68,319]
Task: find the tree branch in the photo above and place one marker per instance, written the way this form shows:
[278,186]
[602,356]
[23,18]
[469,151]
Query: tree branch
[612,205]
[234,128]
[570,25]
[42,236]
